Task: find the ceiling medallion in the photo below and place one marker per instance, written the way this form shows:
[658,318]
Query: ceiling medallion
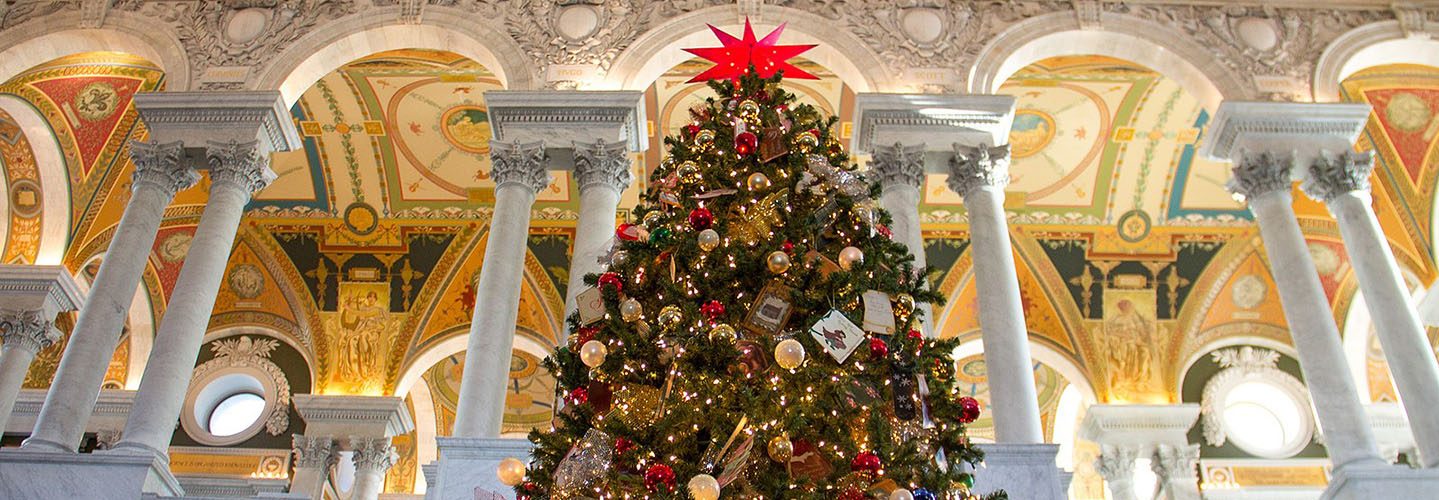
[467,127]
[361,218]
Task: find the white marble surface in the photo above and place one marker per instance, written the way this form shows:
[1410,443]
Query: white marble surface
[43,475]
[469,463]
[1024,471]
[1383,482]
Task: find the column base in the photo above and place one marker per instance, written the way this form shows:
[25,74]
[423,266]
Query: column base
[1365,482]
[466,468]
[1023,471]
[27,474]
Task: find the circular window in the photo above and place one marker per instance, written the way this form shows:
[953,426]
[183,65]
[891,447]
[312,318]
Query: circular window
[236,413]
[1265,420]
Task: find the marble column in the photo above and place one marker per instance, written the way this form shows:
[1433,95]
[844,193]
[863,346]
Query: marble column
[900,170]
[1176,470]
[237,169]
[602,171]
[1116,465]
[979,174]
[24,334]
[519,173]
[373,458]
[1341,181]
[1263,181]
[315,457]
[159,174]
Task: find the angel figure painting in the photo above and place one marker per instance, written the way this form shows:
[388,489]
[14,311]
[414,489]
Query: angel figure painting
[362,329]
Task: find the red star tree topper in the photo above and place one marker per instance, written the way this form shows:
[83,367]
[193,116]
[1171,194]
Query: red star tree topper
[736,55]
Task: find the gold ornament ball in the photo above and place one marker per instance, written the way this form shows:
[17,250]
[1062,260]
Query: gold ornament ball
[630,310]
[708,239]
[511,471]
[704,487]
[705,139]
[781,449]
[748,110]
[593,353]
[670,317]
[619,258]
[849,257]
[778,262]
[689,172]
[757,181]
[653,219]
[789,354]
[723,333]
[806,142]
[903,305]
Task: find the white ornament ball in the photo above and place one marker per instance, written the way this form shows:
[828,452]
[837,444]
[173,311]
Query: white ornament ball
[901,494]
[511,471]
[789,354]
[593,353]
[619,258]
[630,310]
[704,487]
[849,257]
[708,239]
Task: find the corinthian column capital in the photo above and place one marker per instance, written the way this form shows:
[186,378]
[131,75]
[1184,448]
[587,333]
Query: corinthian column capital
[519,164]
[159,165]
[1332,175]
[372,454]
[975,167]
[1258,174]
[315,452]
[242,165]
[898,165]
[1175,461]
[602,164]
[27,329]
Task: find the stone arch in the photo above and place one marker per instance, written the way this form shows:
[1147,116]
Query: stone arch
[54,177]
[1367,46]
[1060,361]
[1124,37]
[263,331]
[1266,342]
[333,45]
[47,38]
[657,50]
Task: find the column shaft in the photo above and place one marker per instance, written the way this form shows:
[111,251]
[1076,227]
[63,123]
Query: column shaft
[1411,358]
[71,400]
[518,175]
[15,358]
[1347,434]
[236,171]
[602,172]
[900,170]
[314,457]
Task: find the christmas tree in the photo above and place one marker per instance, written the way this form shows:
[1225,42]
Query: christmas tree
[754,334]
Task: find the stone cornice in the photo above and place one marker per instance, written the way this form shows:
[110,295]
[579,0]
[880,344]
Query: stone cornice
[45,289]
[1304,129]
[1140,425]
[564,117]
[940,120]
[337,415]
[197,117]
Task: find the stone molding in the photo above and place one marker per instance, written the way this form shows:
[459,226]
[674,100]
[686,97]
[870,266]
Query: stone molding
[898,165]
[1140,425]
[602,164]
[243,354]
[1333,175]
[1238,365]
[373,454]
[1304,129]
[160,165]
[239,165]
[45,288]
[975,167]
[314,452]
[1258,174]
[516,164]
[882,119]
[360,415]
[27,329]
[202,117]
[565,117]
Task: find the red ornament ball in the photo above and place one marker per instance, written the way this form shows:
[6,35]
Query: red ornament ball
[578,396]
[623,446]
[745,142]
[659,475]
[968,409]
[788,246]
[712,310]
[851,494]
[691,129]
[916,334]
[884,231]
[878,349]
[865,461]
[701,218]
[627,232]
[612,280]
[585,334]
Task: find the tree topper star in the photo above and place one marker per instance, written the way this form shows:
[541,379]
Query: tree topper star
[735,57]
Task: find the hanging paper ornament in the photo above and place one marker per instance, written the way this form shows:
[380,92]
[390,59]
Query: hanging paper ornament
[712,310]
[865,461]
[757,181]
[771,144]
[631,309]
[704,487]
[878,349]
[689,172]
[593,353]
[701,218]
[511,471]
[778,262]
[850,256]
[968,409]
[781,449]
[745,143]
[659,476]
[708,239]
[736,55]
[788,354]
[611,280]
